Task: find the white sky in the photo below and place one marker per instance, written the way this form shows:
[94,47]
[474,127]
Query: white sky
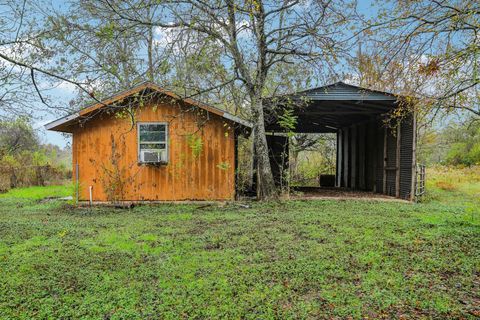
[62,93]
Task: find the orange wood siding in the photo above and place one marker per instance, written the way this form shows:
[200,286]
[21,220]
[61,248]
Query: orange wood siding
[208,175]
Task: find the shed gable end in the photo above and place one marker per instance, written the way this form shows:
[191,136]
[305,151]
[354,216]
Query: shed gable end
[343,91]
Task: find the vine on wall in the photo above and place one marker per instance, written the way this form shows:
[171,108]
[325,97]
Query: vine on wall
[115,177]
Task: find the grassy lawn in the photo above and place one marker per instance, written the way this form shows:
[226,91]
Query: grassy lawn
[303,259]
[37,192]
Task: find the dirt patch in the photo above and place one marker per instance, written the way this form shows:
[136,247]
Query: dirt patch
[339,194]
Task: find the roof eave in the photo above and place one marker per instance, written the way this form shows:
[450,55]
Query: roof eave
[56,125]
[238,120]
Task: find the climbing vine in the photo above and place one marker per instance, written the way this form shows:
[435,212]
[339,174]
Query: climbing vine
[195,143]
[114,177]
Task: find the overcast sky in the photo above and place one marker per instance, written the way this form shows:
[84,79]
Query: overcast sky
[63,93]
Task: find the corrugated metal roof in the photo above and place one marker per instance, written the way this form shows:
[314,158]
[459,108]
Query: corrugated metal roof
[343,91]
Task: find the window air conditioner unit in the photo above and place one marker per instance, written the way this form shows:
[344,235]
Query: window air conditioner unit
[153,156]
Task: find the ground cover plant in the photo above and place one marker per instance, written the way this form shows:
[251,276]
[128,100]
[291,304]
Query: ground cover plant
[37,193]
[297,259]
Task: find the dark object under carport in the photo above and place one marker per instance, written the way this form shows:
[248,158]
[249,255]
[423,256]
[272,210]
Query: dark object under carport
[373,153]
[327,180]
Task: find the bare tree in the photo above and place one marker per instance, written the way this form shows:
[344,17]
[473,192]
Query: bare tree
[429,50]
[254,37]
[224,49]
[30,62]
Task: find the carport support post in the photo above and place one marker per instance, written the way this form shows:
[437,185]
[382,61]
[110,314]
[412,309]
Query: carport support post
[339,158]
[345,157]
[385,141]
[372,142]
[361,157]
[397,163]
[353,157]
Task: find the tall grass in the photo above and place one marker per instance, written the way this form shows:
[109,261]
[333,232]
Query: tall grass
[449,178]
[456,185]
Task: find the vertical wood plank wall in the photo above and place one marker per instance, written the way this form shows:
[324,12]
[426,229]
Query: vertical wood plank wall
[371,158]
[209,175]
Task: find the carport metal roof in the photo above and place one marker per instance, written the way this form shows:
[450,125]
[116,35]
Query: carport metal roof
[328,108]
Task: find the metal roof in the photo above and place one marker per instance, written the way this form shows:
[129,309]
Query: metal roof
[331,107]
[343,91]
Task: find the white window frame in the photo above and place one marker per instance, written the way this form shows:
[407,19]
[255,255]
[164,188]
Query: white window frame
[167,147]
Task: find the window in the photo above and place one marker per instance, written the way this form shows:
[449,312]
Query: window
[152,142]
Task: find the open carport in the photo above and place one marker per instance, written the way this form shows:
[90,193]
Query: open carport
[373,154]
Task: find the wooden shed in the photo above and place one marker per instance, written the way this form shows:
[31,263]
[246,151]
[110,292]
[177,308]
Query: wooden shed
[148,144]
[372,154]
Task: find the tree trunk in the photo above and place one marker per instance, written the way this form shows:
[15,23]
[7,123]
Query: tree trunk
[265,185]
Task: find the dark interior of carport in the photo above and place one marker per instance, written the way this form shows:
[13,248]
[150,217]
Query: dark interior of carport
[371,156]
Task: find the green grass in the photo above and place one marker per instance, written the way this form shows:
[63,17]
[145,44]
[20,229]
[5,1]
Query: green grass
[38,192]
[299,259]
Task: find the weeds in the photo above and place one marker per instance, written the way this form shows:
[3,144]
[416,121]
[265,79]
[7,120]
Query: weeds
[294,259]
[444,185]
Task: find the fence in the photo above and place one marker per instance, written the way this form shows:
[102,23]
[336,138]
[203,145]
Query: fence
[420,182]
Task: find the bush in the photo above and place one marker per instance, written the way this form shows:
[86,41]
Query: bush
[24,161]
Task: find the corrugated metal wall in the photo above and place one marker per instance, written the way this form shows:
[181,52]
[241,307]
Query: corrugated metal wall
[368,157]
[391,160]
[379,145]
[407,165]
